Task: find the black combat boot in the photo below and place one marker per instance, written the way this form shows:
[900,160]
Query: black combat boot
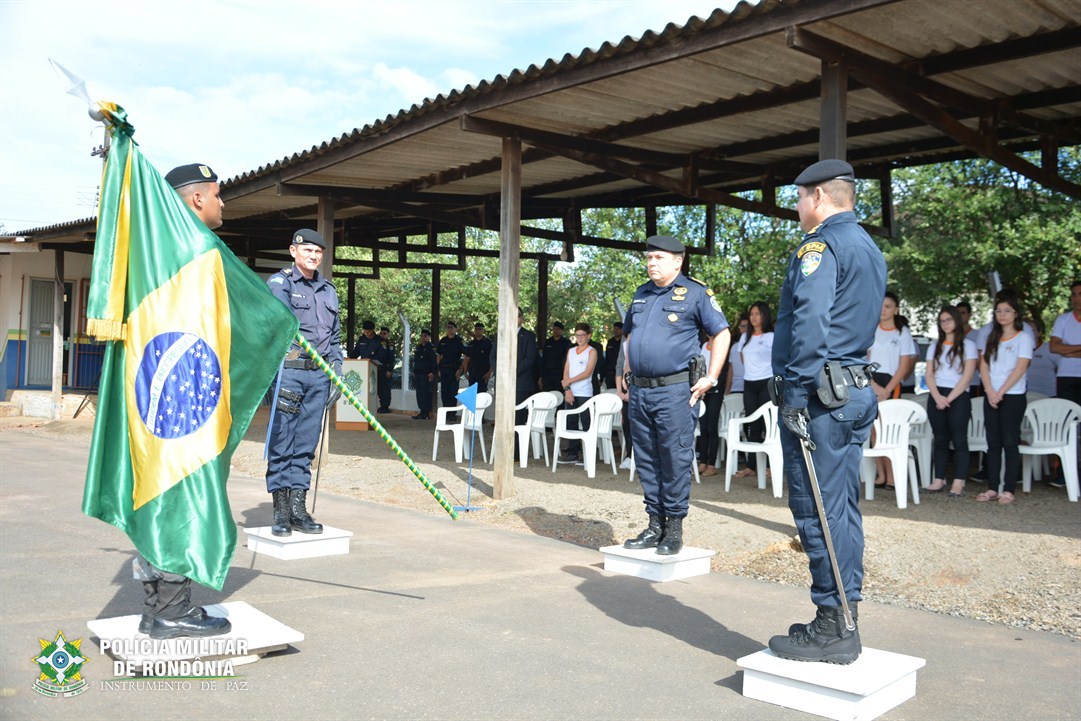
[298,514]
[673,537]
[177,617]
[150,603]
[852,606]
[281,513]
[650,537]
[825,639]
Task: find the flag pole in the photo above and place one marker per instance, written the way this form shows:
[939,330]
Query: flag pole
[347,393]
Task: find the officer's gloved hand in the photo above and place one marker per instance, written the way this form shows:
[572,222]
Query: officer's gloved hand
[798,421]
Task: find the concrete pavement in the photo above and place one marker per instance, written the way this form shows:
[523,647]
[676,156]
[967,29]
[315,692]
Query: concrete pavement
[428,618]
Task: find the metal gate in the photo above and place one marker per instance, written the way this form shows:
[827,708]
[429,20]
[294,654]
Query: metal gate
[39,353]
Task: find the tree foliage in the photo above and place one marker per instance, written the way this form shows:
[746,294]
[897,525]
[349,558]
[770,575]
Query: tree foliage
[956,221]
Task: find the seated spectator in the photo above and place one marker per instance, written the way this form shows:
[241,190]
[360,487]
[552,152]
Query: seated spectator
[895,353]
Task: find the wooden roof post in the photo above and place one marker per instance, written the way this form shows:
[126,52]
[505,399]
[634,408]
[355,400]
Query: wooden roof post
[510,226]
[832,135]
[324,225]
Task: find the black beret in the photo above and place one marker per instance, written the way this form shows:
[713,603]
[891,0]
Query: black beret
[451,324]
[308,236]
[666,243]
[557,324]
[478,325]
[824,171]
[617,324]
[384,328]
[368,325]
[189,174]
[425,331]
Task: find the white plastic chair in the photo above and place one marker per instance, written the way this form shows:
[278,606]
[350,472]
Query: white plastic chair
[467,421]
[617,429]
[550,422]
[539,407]
[770,448]
[1054,423]
[892,427]
[731,407]
[919,437]
[603,409]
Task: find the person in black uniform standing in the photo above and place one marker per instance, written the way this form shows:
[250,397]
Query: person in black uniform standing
[477,364]
[385,357]
[424,369]
[367,346]
[611,355]
[305,391]
[662,328]
[555,354]
[828,315]
[167,608]
[449,351]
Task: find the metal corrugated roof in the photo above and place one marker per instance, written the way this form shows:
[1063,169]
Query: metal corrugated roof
[725,88]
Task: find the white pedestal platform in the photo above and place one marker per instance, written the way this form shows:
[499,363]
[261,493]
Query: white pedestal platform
[331,542]
[647,564]
[253,632]
[865,689]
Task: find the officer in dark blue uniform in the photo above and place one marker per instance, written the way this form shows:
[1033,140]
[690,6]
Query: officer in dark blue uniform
[477,366]
[662,328]
[386,358]
[305,391]
[555,357]
[830,305]
[425,366]
[450,350]
[367,346]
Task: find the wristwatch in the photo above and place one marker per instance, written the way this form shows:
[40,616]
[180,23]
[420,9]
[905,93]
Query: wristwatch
[566,388]
[713,381]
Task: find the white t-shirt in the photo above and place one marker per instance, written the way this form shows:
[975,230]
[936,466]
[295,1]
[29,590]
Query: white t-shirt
[948,371]
[1010,351]
[735,366]
[889,347]
[758,357]
[576,365]
[985,333]
[974,336]
[1041,371]
[1067,328]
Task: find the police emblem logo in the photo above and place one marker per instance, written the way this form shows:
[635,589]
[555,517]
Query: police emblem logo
[205,171]
[810,262]
[812,247]
[680,290]
[672,317]
[713,302]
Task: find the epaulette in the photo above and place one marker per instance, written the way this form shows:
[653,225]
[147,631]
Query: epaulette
[286,271]
[698,282]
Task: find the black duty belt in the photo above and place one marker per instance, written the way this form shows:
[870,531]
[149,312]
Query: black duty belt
[304,364]
[642,382]
[860,376]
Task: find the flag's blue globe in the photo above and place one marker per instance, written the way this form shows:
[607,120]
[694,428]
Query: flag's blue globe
[178,384]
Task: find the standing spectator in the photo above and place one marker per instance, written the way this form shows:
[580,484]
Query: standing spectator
[367,346]
[385,359]
[425,365]
[964,308]
[895,353]
[951,362]
[708,441]
[449,351]
[1066,341]
[756,353]
[598,368]
[525,382]
[1043,369]
[1002,368]
[577,385]
[477,365]
[555,355]
[734,381]
[611,355]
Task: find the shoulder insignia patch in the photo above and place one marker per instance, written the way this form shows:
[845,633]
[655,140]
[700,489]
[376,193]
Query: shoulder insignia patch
[697,281]
[809,263]
[709,291]
[814,246]
[277,279]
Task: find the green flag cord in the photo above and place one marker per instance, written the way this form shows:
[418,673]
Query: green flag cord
[347,393]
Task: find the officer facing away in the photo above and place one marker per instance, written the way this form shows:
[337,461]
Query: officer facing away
[826,323]
[305,391]
[662,328]
[167,609]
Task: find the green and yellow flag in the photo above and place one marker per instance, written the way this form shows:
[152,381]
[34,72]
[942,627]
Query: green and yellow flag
[195,341]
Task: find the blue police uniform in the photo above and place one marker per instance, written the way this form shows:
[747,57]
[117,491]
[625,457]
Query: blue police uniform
[663,325]
[479,352]
[424,364]
[367,347]
[386,358]
[304,388]
[830,304]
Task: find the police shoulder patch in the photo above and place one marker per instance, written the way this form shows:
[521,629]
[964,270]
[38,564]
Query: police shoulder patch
[814,246]
[277,279]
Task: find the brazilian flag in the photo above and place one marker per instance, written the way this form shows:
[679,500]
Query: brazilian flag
[195,339]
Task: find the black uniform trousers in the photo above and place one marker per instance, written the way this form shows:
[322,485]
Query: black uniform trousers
[424,394]
[448,387]
[839,435]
